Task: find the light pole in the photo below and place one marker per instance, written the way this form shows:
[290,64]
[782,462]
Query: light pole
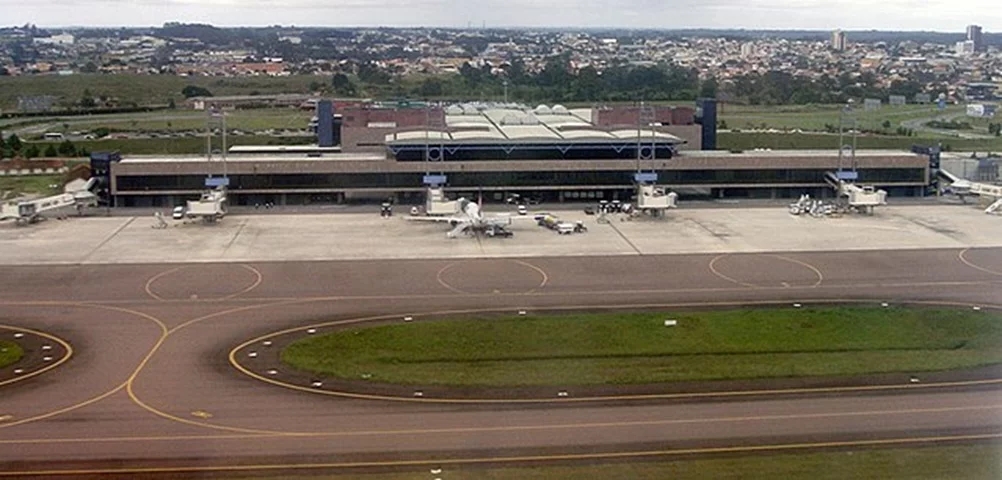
[847,116]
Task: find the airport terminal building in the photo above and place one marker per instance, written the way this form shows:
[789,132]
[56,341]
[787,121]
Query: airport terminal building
[551,153]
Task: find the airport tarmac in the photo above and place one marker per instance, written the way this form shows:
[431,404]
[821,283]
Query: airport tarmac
[366,236]
[149,387]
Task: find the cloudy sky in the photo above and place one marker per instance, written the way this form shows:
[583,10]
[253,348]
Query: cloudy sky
[940,15]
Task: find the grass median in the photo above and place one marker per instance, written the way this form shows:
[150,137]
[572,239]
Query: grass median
[637,348]
[917,463]
[10,352]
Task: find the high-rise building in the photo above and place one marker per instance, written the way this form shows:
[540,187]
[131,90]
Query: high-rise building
[838,40]
[974,35]
[748,50]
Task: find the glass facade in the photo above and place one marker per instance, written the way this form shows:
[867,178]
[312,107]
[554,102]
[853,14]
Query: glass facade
[537,179]
[541,151]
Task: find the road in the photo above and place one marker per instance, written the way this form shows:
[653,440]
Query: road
[919,125]
[150,388]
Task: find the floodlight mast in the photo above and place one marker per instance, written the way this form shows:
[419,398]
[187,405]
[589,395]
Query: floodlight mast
[847,116]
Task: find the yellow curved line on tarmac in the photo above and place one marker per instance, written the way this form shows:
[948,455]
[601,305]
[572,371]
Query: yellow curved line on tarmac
[540,271]
[65,358]
[63,410]
[713,270]
[965,261]
[664,396]
[149,283]
[438,462]
[812,268]
[174,418]
[544,277]
[104,395]
[447,285]
[816,270]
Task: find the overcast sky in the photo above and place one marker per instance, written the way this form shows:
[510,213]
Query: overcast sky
[939,15]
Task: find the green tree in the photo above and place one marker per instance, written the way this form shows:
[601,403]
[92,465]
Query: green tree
[588,85]
[14,143]
[89,67]
[100,132]
[50,151]
[886,124]
[371,74]
[708,88]
[87,100]
[67,149]
[343,85]
[170,104]
[190,91]
[430,88]
[32,151]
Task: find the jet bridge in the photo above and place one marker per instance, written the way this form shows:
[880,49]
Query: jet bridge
[210,207]
[655,200]
[853,197]
[436,202]
[964,188]
[26,212]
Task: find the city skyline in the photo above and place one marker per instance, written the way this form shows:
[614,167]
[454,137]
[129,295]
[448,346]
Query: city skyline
[895,15]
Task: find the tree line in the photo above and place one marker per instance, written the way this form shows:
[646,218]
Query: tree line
[557,82]
[12,147]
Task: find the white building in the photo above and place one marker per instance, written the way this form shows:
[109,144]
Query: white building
[749,50]
[838,40]
[62,39]
[965,47]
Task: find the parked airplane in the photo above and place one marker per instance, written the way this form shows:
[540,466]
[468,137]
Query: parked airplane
[469,219]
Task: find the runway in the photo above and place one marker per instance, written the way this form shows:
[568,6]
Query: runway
[150,388]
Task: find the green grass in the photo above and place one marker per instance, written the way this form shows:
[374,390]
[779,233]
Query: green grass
[177,146]
[10,352]
[30,184]
[635,348]
[144,89]
[178,120]
[814,117]
[961,462]
[813,141]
